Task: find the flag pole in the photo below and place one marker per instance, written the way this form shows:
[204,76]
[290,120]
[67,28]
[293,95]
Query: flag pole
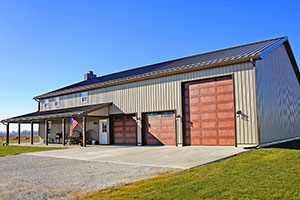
[80,126]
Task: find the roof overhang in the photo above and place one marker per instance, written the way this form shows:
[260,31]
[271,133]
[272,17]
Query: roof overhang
[57,113]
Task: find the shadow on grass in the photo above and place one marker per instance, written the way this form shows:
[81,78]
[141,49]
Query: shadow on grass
[295,144]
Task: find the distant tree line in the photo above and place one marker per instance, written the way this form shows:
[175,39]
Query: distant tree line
[15,133]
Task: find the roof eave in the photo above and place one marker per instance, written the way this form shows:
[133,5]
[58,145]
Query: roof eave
[183,69]
[54,116]
[288,48]
[266,51]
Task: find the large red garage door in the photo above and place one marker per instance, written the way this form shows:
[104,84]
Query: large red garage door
[124,129]
[159,128]
[209,112]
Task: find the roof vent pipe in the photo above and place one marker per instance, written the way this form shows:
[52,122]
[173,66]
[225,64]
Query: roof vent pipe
[89,75]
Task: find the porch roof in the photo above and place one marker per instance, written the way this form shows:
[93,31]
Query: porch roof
[57,113]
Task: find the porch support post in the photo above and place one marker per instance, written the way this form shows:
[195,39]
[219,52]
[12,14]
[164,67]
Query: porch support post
[84,131]
[63,132]
[46,132]
[7,133]
[31,133]
[19,133]
[139,126]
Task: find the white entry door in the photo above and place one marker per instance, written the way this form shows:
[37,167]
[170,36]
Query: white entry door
[103,131]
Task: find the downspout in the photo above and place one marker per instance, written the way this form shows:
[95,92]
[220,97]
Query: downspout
[253,62]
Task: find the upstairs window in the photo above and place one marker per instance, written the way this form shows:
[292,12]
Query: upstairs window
[167,114]
[57,99]
[46,103]
[84,97]
[152,115]
[118,117]
[130,117]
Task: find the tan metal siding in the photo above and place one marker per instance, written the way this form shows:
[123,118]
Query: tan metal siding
[165,94]
[278,97]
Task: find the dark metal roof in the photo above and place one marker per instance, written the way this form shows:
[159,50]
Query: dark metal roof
[57,113]
[238,53]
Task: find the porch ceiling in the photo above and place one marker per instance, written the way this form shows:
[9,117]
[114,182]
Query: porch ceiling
[57,113]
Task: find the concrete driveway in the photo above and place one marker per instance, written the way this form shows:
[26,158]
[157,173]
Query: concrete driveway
[153,156]
[64,174]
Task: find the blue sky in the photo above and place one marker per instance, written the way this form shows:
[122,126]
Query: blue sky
[48,44]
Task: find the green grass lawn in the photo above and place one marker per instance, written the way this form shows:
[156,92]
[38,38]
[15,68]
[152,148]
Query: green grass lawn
[15,150]
[259,174]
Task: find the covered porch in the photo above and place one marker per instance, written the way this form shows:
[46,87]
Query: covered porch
[54,125]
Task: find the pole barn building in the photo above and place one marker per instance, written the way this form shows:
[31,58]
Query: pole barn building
[242,96]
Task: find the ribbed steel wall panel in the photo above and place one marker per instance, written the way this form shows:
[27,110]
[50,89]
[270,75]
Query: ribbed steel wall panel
[165,94]
[278,97]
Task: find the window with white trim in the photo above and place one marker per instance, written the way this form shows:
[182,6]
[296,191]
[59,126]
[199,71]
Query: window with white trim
[46,103]
[167,114]
[57,101]
[84,97]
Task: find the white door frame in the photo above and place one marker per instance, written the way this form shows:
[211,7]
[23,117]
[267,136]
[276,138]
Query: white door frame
[103,136]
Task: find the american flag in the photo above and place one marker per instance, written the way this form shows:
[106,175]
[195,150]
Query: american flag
[73,125]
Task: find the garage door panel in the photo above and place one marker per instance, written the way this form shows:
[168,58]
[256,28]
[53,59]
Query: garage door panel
[209,141]
[194,101]
[207,91]
[226,124]
[193,93]
[209,124]
[130,129]
[227,142]
[227,98]
[207,116]
[206,84]
[226,133]
[118,141]
[118,134]
[130,141]
[224,115]
[118,129]
[208,108]
[208,99]
[209,121]
[224,89]
[228,106]
[209,133]
[130,123]
[193,87]
[193,109]
[167,129]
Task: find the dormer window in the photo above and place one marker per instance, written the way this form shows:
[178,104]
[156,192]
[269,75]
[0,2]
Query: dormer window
[57,99]
[84,97]
[46,103]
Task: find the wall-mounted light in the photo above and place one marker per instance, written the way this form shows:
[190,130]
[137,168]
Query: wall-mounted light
[239,112]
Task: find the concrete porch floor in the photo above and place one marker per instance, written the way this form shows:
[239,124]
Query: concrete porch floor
[155,156]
